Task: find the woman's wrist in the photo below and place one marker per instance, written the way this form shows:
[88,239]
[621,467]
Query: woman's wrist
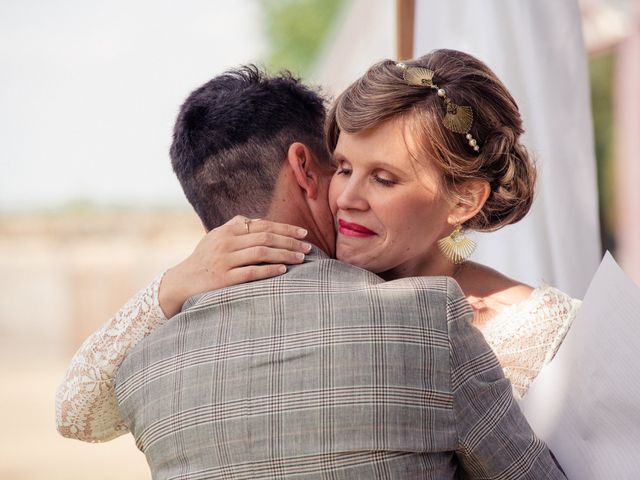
[171,295]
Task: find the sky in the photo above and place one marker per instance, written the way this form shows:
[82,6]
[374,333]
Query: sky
[89,92]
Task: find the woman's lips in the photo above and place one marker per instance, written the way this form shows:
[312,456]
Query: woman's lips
[354,230]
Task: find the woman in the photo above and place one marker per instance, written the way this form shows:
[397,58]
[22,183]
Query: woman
[423,150]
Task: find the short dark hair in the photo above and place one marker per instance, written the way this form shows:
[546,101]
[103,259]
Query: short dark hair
[232,135]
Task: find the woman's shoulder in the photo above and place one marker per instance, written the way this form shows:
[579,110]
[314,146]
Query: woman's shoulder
[490,292]
[544,304]
[484,281]
[526,334]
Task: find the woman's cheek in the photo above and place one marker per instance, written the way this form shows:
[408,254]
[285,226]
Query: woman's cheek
[333,194]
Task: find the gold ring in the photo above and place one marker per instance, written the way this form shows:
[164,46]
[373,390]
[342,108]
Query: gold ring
[247,221]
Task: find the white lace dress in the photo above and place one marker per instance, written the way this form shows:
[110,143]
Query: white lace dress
[527,335]
[524,337]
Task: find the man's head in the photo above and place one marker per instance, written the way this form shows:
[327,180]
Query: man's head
[234,135]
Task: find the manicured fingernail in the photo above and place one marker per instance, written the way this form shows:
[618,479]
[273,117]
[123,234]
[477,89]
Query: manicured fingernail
[306,247]
[302,232]
[282,269]
[300,256]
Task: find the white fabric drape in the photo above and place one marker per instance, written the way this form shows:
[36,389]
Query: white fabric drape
[364,34]
[536,48]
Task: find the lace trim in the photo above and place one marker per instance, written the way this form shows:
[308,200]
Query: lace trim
[527,335]
[86,406]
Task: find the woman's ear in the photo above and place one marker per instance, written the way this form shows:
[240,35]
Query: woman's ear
[470,198]
[302,164]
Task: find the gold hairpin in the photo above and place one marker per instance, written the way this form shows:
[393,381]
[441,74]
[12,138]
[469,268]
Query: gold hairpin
[459,118]
[417,76]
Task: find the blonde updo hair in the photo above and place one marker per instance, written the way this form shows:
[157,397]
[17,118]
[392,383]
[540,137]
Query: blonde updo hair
[381,94]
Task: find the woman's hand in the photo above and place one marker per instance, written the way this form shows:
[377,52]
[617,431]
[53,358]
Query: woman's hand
[232,254]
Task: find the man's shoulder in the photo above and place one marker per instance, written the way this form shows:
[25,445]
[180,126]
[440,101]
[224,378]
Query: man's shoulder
[316,276]
[330,273]
[329,276]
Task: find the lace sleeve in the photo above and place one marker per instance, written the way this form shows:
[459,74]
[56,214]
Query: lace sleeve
[86,407]
[526,336]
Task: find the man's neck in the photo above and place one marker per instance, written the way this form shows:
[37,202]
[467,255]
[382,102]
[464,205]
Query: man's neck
[289,205]
[314,235]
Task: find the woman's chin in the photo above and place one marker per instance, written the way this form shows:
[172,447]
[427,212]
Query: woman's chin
[357,259]
[346,255]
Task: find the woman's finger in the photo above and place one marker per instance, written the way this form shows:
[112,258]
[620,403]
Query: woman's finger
[238,225]
[243,225]
[255,272]
[262,254]
[268,239]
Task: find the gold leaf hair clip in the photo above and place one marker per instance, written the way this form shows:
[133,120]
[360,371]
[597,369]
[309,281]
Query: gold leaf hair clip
[459,118]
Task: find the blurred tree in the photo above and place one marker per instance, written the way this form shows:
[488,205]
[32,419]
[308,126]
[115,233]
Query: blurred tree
[601,75]
[296,30]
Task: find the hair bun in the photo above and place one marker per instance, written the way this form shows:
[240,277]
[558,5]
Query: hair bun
[512,177]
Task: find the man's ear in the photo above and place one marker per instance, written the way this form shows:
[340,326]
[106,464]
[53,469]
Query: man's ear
[303,165]
[470,197]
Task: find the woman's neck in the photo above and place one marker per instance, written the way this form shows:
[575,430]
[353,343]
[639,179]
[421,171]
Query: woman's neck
[434,265]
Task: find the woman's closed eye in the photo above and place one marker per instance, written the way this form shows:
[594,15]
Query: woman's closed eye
[342,169]
[384,181]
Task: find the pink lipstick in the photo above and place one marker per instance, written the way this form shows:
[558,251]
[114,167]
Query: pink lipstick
[354,230]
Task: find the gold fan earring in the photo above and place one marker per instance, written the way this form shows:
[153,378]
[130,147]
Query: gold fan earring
[457,247]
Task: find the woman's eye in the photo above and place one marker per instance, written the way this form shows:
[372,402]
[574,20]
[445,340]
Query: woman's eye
[343,170]
[384,181]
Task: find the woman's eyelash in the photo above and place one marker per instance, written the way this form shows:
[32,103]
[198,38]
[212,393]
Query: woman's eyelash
[384,181]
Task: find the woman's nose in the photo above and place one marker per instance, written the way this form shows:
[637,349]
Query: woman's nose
[353,196]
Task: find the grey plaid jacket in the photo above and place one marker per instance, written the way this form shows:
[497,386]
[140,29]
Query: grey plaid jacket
[326,372]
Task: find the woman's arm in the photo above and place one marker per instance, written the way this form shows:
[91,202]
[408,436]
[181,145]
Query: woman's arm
[86,407]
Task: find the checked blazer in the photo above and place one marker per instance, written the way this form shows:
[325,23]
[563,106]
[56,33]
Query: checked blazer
[326,372]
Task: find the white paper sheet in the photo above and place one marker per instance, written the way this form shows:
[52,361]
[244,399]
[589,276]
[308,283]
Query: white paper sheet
[586,403]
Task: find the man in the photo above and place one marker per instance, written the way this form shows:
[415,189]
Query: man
[326,371]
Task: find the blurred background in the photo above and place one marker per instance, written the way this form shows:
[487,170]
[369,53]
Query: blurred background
[90,211]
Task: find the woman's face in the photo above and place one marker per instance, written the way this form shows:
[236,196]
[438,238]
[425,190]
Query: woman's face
[389,210]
